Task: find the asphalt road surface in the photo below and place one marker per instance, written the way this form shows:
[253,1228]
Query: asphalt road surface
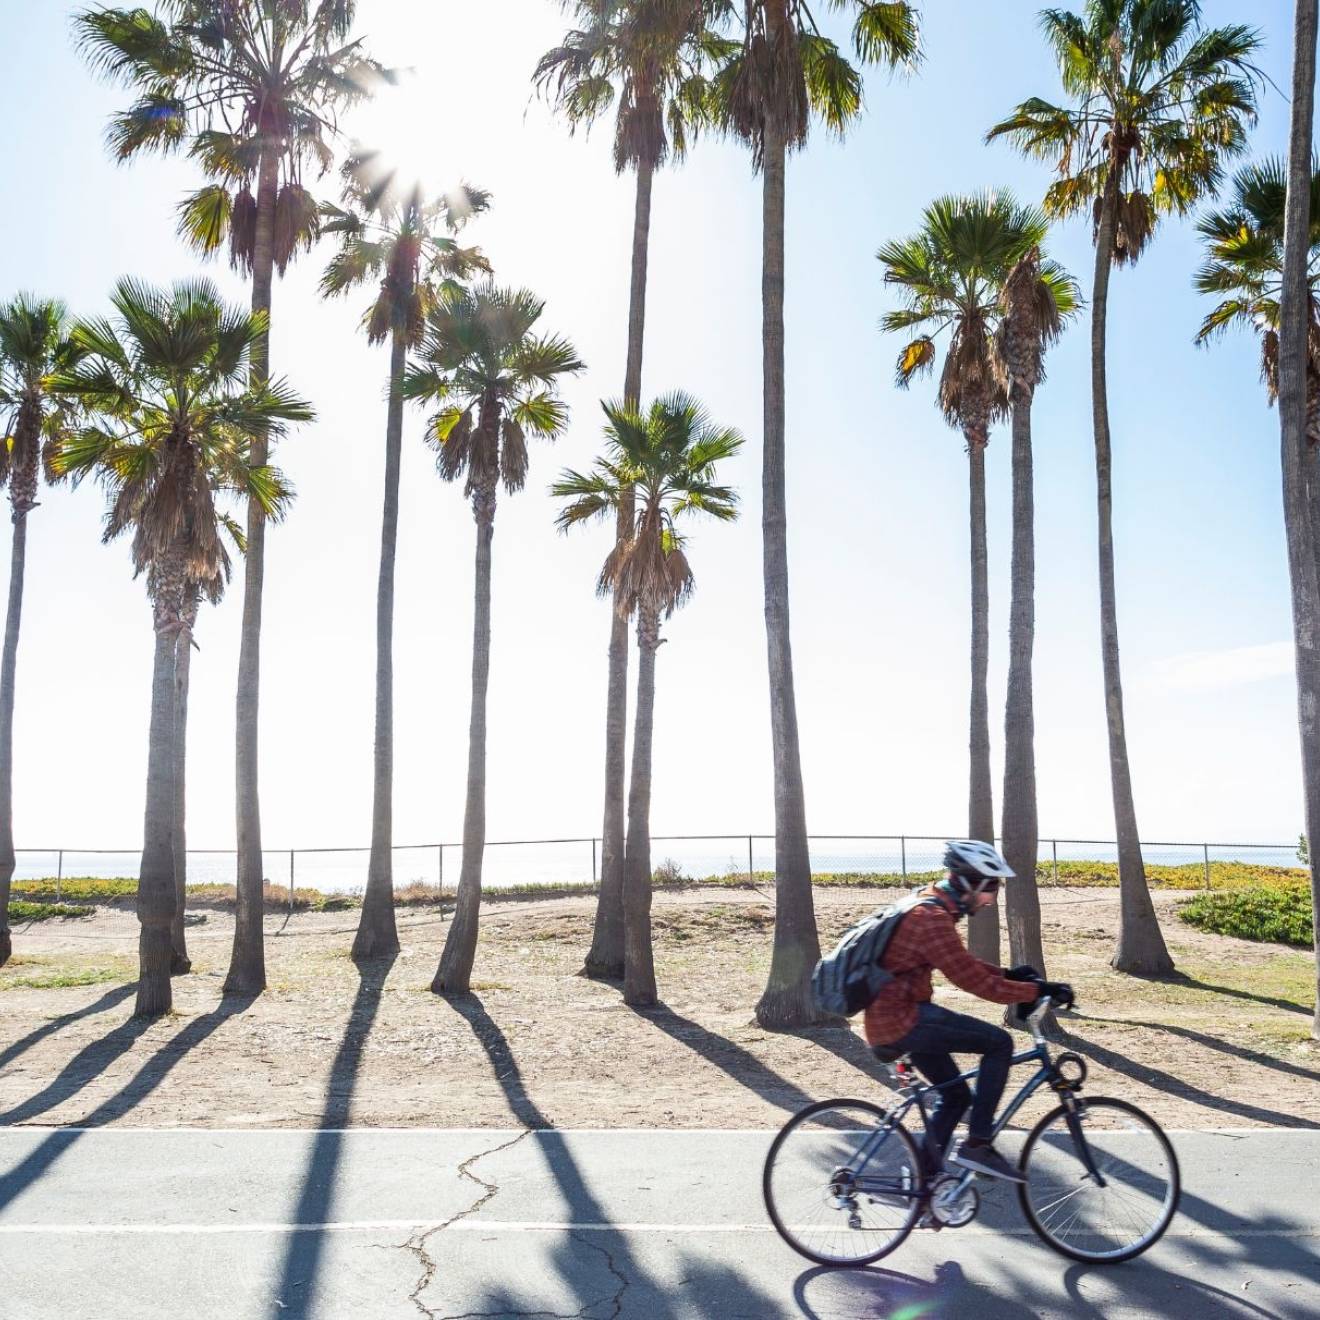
[195,1224]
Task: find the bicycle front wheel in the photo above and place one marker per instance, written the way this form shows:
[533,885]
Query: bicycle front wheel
[1117,1205]
[841,1184]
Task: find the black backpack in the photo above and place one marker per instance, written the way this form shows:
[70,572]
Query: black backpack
[849,977]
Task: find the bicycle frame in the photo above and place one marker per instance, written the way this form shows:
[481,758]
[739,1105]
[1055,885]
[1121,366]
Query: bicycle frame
[915,1093]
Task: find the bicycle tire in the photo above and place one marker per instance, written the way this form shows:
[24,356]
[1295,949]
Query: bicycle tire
[1172,1197]
[898,1131]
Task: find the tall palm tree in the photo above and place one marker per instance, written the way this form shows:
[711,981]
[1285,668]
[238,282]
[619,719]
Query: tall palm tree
[1244,270]
[34,348]
[784,73]
[950,276]
[394,236]
[251,90]
[1035,301]
[1158,103]
[667,457]
[175,420]
[1298,459]
[495,380]
[648,56]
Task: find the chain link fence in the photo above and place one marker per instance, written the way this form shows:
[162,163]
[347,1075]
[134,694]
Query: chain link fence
[896,861]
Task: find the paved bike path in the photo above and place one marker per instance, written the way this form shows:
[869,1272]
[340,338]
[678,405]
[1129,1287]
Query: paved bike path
[656,1225]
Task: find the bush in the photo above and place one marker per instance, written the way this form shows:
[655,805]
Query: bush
[669,872]
[1279,914]
[23,911]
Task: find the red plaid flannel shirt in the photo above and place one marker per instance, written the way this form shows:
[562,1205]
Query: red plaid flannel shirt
[928,938]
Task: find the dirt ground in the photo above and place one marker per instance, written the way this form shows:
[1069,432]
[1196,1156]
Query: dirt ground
[1224,1044]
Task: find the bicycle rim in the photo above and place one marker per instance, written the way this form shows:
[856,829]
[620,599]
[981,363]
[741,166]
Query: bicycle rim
[1066,1205]
[829,1199]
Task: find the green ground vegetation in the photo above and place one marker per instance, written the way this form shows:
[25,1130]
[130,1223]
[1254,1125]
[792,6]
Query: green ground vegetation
[1275,914]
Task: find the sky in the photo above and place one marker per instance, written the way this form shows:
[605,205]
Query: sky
[877,486]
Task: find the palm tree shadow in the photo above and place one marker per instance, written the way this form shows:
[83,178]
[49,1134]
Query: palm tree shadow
[107,1000]
[154,1071]
[729,1057]
[1237,1051]
[1191,983]
[606,1269]
[1176,1086]
[296,1292]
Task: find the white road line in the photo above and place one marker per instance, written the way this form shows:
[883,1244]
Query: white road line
[533,1226]
[47,1129]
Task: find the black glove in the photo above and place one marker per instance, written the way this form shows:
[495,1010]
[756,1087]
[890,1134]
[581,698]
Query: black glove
[1059,991]
[1023,972]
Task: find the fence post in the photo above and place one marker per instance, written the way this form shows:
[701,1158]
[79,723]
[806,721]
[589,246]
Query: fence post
[441,900]
[902,852]
[593,860]
[59,875]
[290,882]
[1055,845]
[751,874]
[1205,847]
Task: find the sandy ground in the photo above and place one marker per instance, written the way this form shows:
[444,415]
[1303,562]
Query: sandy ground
[1225,1044]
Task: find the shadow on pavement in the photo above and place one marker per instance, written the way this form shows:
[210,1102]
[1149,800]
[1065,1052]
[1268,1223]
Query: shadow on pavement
[599,1269]
[154,1071]
[295,1292]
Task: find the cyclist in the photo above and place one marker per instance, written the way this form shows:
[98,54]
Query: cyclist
[903,1020]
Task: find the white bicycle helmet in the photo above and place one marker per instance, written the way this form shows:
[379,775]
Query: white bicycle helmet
[974,866]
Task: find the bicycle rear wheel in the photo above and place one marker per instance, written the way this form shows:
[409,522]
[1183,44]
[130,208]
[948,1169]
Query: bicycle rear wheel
[840,1186]
[1066,1204]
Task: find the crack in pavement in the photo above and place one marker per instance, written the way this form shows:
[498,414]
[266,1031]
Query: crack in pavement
[617,1299]
[417,1244]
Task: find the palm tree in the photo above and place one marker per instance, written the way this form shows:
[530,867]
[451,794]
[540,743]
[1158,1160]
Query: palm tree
[782,74]
[1036,300]
[175,420]
[394,236]
[1296,329]
[667,456]
[949,276]
[653,52]
[1244,269]
[1158,104]
[252,91]
[495,381]
[34,348]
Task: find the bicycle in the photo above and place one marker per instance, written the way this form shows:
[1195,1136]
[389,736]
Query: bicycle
[844,1183]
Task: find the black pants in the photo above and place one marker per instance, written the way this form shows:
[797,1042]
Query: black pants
[937,1036]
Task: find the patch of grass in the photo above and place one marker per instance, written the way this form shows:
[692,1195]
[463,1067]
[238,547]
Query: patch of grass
[1276,915]
[75,888]
[1191,875]
[24,911]
[60,977]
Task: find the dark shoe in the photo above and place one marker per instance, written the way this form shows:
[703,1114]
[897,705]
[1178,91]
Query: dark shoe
[984,1158]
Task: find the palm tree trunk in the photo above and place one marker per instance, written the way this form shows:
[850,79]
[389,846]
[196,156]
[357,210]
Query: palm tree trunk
[787,1000]
[247,963]
[377,936]
[606,955]
[639,962]
[1021,830]
[454,974]
[983,928]
[1141,948]
[155,893]
[1301,533]
[180,963]
[8,671]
